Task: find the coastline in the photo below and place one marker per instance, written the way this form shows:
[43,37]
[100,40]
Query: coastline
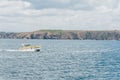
[63,35]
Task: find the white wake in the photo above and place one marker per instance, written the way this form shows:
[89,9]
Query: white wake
[15,50]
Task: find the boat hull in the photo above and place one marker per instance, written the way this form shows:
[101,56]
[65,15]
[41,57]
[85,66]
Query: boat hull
[33,50]
[37,50]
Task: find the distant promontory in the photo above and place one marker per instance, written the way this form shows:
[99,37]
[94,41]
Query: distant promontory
[63,34]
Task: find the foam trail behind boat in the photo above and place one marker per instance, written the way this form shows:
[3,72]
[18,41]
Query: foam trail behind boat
[13,50]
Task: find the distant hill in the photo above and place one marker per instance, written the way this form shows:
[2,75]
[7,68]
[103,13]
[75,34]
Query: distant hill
[64,34]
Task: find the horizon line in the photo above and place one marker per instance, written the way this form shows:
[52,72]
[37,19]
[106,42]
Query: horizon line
[58,30]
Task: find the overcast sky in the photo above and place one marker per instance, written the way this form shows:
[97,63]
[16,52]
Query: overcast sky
[30,15]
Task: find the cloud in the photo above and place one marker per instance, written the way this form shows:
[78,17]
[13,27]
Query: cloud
[13,7]
[15,15]
[62,1]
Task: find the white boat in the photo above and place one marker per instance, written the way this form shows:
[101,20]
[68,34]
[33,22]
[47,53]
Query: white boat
[28,47]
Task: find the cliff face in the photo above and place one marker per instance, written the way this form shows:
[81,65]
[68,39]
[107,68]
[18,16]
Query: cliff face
[64,34]
[7,35]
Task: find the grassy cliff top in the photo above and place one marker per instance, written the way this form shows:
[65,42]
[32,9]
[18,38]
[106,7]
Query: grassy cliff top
[52,31]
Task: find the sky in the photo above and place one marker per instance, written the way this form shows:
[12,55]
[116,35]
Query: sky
[31,15]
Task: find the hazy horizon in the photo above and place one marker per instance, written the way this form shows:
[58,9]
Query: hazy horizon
[54,30]
[32,15]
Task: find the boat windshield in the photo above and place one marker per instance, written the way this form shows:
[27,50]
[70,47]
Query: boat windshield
[26,45]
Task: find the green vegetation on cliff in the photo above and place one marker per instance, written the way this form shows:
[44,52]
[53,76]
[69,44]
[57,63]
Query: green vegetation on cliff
[64,34]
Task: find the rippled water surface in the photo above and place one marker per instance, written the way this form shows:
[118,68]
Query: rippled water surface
[61,60]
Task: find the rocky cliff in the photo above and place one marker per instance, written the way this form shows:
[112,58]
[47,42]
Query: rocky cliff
[64,34]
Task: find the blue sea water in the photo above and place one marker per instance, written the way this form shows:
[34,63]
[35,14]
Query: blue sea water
[60,60]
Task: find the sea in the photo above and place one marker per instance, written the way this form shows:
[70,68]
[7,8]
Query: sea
[60,60]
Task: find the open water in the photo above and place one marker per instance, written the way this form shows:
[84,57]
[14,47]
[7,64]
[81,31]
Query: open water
[60,60]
